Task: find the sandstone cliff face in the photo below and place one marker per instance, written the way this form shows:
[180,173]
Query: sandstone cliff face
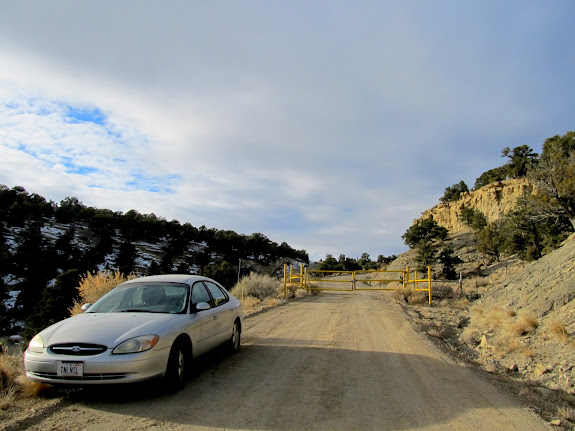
[493,200]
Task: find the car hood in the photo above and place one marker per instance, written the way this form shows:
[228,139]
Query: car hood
[108,329]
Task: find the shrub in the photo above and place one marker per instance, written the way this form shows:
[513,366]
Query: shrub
[471,336]
[474,218]
[257,286]
[527,321]
[426,230]
[410,296]
[447,261]
[94,286]
[251,302]
[491,176]
[558,331]
[402,295]
[454,192]
[8,375]
[566,413]
[13,384]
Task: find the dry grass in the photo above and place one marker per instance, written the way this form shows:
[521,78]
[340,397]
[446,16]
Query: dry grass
[410,296]
[258,286]
[525,324]
[251,302]
[566,413]
[300,293]
[471,336]
[505,327]
[493,318]
[94,286]
[13,383]
[402,295]
[8,385]
[251,305]
[257,292]
[462,303]
[504,345]
[436,333]
[528,352]
[477,282]
[558,331]
[442,290]
[272,302]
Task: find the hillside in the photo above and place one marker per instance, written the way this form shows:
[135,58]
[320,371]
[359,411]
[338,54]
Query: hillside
[517,319]
[46,248]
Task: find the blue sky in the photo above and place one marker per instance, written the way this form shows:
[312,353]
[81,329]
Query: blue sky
[329,125]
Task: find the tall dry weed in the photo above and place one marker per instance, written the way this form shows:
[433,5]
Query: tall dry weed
[504,345]
[403,295]
[471,336]
[13,383]
[525,323]
[251,302]
[505,325]
[8,374]
[94,286]
[566,413]
[558,331]
[258,286]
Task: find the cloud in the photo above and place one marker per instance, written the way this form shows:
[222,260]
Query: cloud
[327,125]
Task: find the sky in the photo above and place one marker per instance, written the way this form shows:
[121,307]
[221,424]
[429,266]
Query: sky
[330,125]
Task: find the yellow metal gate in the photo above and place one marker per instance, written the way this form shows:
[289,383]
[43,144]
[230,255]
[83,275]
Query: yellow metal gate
[349,281]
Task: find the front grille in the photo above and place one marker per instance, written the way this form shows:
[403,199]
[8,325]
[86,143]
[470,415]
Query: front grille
[85,377]
[78,349]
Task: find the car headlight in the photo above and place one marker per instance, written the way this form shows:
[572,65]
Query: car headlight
[137,344]
[36,344]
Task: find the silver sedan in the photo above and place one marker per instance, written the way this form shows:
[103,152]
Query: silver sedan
[145,328]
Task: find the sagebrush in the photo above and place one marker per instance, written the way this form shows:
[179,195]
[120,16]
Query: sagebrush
[93,286]
[257,286]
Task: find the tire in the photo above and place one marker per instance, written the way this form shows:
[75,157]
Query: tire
[235,339]
[176,371]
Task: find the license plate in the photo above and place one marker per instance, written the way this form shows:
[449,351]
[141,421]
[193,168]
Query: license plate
[70,369]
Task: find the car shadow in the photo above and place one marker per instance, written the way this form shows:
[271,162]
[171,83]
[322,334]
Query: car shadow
[282,386]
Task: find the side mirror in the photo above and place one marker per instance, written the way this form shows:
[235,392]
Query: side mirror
[86,306]
[202,306]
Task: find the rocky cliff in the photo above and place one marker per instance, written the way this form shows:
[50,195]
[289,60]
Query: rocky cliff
[493,200]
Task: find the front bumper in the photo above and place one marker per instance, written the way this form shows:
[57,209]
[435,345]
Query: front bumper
[104,368]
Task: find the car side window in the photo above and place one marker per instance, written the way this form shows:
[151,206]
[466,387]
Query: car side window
[217,294]
[200,294]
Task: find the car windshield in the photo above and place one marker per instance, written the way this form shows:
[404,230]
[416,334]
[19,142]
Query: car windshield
[144,297]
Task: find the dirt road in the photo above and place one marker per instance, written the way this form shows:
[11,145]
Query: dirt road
[339,361]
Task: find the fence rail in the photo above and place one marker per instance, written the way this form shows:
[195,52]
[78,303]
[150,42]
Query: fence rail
[310,279]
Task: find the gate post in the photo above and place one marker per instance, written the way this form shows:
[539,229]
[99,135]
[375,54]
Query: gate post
[285,280]
[429,282]
[406,278]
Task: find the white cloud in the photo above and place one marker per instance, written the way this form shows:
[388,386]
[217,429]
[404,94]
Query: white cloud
[327,125]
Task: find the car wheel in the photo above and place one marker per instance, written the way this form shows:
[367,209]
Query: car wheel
[175,377]
[235,339]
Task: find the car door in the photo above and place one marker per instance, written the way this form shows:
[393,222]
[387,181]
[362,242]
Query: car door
[203,322]
[224,314]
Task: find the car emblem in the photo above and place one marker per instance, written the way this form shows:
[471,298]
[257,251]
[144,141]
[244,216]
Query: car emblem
[76,349]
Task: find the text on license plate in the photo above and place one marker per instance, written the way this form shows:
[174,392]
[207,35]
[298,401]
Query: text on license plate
[70,369]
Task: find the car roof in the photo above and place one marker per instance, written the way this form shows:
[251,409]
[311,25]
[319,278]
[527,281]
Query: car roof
[169,278]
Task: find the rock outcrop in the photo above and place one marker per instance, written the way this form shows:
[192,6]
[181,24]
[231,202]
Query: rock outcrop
[493,200]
